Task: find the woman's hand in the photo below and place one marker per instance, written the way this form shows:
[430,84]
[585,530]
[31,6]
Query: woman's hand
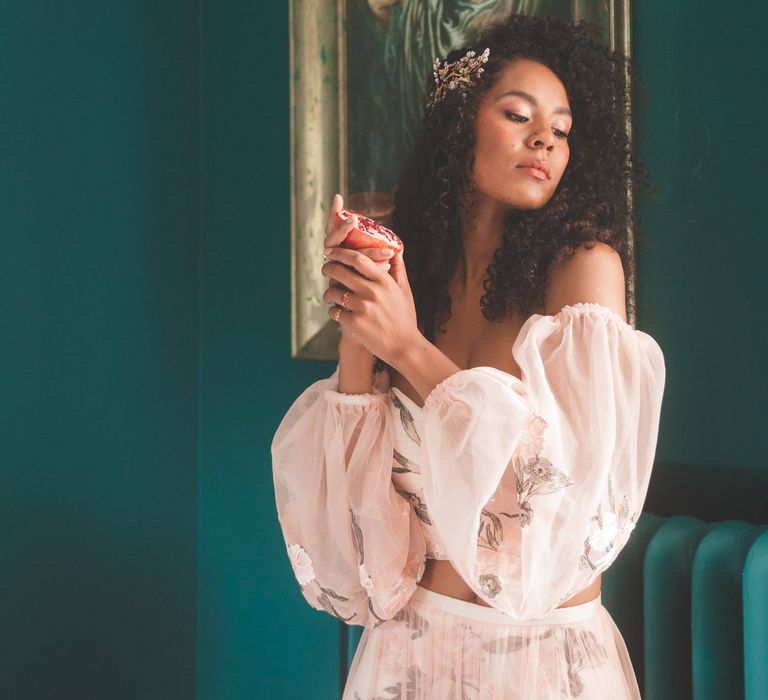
[335,232]
[379,311]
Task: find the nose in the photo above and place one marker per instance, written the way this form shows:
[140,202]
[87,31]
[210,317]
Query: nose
[541,138]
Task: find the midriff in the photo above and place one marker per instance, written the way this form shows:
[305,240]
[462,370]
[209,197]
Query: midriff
[440,577]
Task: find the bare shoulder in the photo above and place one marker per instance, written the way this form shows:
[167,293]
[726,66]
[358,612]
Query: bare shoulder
[590,275]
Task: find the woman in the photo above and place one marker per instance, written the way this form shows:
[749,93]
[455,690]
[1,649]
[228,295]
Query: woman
[462,502]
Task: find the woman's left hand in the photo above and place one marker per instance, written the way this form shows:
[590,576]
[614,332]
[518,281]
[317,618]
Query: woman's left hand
[380,311]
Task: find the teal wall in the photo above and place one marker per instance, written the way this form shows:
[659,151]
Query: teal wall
[257,636]
[145,299]
[98,374]
[701,278]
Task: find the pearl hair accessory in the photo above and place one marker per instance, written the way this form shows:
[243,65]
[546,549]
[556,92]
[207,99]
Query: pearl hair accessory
[459,73]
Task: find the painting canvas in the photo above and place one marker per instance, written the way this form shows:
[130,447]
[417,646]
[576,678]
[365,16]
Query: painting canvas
[359,77]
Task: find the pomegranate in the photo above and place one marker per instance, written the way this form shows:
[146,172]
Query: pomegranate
[368,234]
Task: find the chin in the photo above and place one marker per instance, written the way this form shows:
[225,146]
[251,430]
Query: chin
[527,203]
[525,199]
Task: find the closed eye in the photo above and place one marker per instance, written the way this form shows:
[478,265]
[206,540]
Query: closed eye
[513,116]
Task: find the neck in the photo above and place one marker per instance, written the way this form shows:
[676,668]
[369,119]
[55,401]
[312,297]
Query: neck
[482,235]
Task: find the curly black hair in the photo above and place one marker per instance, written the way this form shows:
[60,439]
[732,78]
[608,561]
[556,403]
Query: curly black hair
[590,203]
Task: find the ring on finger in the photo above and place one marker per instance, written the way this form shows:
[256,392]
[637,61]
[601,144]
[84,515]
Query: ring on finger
[337,314]
[345,298]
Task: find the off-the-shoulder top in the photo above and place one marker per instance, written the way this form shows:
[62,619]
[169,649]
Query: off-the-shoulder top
[406,471]
[531,485]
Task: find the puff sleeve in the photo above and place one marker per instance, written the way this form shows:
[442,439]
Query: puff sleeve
[352,541]
[534,484]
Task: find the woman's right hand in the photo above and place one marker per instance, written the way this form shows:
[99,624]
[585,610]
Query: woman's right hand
[335,232]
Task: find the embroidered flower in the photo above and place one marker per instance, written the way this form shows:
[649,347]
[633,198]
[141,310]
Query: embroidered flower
[489,584]
[536,476]
[532,440]
[602,537]
[365,578]
[607,530]
[539,470]
[301,563]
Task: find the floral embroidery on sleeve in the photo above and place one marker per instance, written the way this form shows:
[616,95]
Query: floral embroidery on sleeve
[366,580]
[305,575]
[301,563]
[532,440]
[536,476]
[605,530]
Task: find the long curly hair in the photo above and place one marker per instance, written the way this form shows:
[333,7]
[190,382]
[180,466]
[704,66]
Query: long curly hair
[590,203]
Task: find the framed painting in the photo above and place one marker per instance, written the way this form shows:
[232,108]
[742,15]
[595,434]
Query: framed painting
[351,125]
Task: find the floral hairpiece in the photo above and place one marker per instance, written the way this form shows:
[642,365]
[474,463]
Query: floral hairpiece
[460,73]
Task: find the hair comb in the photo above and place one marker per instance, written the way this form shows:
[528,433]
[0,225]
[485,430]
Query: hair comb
[461,73]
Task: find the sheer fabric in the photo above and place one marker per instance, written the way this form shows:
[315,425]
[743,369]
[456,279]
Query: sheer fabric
[533,485]
[441,647]
[354,543]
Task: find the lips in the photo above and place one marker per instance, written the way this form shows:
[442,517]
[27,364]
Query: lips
[535,167]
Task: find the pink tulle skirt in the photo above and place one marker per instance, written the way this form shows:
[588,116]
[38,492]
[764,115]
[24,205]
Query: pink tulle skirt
[441,648]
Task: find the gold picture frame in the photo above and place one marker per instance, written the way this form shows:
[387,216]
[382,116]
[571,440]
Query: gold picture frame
[320,147]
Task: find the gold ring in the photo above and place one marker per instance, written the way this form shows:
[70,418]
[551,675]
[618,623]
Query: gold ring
[338,313]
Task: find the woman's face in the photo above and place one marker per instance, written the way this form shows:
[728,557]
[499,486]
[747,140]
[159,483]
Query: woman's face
[521,145]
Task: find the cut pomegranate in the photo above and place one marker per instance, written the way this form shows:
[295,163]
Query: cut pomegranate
[368,234]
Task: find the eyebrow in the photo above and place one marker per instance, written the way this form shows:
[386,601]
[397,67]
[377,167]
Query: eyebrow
[534,101]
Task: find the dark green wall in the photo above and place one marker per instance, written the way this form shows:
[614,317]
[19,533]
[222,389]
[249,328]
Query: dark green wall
[701,278]
[145,299]
[257,636]
[98,373]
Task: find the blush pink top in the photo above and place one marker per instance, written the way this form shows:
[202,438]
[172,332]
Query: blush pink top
[530,487]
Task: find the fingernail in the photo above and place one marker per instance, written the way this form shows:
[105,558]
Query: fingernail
[328,251]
